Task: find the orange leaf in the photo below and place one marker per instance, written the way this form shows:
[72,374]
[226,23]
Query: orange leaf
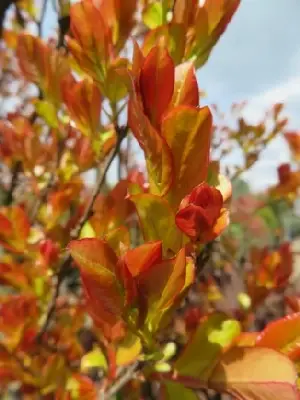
[83,101]
[141,258]
[255,374]
[162,285]
[42,65]
[91,45]
[187,131]
[186,90]
[211,21]
[97,263]
[282,335]
[157,153]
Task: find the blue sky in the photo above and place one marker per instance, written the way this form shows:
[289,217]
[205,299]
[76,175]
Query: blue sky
[257,60]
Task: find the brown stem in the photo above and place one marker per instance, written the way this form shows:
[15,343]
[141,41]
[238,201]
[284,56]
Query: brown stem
[65,267]
[14,181]
[4,6]
[64,26]
[126,377]
[18,360]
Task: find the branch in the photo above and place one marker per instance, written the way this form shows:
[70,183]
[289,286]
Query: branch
[64,26]
[122,132]
[4,6]
[66,264]
[18,360]
[126,377]
[14,181]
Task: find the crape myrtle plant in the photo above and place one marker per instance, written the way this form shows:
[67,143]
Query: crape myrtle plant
[145,289]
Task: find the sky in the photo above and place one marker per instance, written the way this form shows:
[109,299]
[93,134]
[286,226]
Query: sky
[257,60]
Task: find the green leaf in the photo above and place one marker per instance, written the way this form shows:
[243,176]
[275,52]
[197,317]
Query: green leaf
[153,15]
[47,111]
[269,217]
[206,345]
[158,221]
[87,231]
[93,359]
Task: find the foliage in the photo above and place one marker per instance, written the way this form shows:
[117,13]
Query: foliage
[153,287]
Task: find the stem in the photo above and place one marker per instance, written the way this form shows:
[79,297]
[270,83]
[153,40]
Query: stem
[4,6]
[66,264]
[14,181]
[18,360]
[126,377]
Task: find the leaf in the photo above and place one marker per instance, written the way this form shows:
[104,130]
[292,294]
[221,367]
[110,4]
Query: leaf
[93,359]
[268,215]
[128,350]
[186,91]
[156,84]
[176,391]
[206,345]
[94,256]
[54,374]
[119,240]
[120,17]
[97,263]
[282,335]
[158,221]
[245,373]
[211,21]
[153,15]
[142,258]
[42,65]
[171,36]
[6,228]
[157,153]
[78,387]
[115,87]
[91,41]
[83,101]
[187,132]
[87,231]
[47,111]
[162,285]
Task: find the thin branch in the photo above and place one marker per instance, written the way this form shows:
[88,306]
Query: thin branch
[14,182]
[66,264]
[126,377]
[122,132]
[64,26]
[50,184]
[4,6]
[18,360]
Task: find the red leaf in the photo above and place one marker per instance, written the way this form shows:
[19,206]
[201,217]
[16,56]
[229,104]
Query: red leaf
[157,84]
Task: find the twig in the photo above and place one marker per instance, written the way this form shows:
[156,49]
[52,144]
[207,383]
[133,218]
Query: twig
[18,360]
[122,132]
[14,181]
[126,377]
[64,26]
[64,269]
[51,182]
[4,6]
